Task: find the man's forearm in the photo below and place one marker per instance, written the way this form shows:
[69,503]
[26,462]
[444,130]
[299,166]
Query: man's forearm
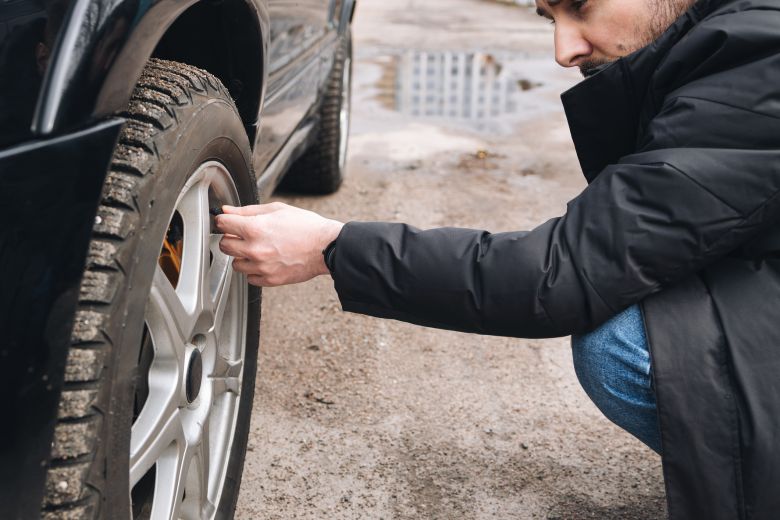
[454,278]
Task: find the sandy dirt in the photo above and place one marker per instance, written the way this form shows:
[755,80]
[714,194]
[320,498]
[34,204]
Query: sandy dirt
[360,418]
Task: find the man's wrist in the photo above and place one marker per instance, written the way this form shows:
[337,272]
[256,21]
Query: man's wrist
[328,245]
[328,256]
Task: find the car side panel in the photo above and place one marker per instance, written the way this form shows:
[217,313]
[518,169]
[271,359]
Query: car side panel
[299,30]
[296,25]
[48,198]
[287,106]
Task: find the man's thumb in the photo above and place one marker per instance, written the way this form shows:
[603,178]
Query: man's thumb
[246,211]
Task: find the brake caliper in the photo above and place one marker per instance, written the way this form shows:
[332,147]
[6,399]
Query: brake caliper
[172,250]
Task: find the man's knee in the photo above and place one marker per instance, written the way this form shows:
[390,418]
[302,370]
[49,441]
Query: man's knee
[613,364]
[596,370]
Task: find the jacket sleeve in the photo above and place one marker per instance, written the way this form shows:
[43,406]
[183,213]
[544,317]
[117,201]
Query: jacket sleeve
[704,182]
[637,228]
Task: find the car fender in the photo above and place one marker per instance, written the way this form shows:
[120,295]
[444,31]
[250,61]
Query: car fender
[102,50]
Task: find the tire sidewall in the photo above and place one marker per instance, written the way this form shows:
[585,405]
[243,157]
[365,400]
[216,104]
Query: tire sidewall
[342,70]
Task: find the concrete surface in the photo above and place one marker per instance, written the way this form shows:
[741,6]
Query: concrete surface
[360,418]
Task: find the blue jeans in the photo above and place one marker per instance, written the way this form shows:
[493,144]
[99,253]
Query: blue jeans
[613,366]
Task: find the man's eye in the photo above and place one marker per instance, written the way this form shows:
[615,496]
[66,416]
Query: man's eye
[577,5]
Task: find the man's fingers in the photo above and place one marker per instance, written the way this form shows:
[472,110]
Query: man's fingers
[236,220]
[233,246]
[262,281]
[247,211]
[259,281]
[233,224]
[242,265]
[255,209]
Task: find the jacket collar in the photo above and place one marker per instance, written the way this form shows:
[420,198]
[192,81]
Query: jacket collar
[603,110]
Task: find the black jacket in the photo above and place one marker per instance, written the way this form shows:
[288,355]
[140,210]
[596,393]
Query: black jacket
[680,143]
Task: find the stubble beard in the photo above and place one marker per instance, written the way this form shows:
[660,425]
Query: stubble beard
[662,14]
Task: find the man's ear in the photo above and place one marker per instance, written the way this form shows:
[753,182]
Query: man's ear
[41,57]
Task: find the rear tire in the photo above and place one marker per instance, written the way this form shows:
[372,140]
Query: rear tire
[320,170]
[178,119]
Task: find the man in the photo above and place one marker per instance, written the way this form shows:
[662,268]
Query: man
[672,252]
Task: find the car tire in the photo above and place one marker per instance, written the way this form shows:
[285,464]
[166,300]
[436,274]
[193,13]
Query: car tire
[320,170]
[183,148]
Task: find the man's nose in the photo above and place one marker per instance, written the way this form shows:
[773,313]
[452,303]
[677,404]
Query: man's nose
[571,47]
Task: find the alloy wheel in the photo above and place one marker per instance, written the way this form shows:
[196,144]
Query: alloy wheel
[191,363]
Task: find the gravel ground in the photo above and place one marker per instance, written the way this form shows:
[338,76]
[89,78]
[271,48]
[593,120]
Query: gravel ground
[360,418]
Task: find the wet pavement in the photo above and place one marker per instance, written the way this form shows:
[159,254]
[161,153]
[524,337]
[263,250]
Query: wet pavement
[457,121]
[467,86]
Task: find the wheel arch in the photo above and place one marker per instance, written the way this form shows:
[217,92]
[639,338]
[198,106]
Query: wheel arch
[103,48]
[233,52]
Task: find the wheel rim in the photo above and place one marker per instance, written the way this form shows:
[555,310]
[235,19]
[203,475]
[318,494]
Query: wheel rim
[181,438]
[346,99]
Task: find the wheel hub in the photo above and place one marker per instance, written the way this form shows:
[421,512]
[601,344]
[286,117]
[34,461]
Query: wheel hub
[194,376]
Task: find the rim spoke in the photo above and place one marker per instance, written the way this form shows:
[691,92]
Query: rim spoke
[172,469]
[204,458]
[170,324]
[194,210]
[196,502]
[220,276]
[226,376]
[156,429]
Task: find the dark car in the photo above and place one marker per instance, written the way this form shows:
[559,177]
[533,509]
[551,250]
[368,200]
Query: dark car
[129,346]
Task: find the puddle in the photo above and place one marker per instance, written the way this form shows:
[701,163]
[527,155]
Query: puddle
[461,86]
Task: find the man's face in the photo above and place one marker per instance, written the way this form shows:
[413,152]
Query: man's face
[589,33]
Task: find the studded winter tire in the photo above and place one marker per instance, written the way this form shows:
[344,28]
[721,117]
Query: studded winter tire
[154,415]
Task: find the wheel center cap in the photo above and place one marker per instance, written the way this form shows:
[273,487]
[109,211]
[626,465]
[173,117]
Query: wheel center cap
[194,375]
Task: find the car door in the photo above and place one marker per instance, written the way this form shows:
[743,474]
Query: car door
[298,30]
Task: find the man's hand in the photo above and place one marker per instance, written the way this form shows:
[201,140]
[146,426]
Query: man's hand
[276,244]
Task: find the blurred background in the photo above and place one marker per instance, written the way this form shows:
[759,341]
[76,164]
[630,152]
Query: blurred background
[456,122]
